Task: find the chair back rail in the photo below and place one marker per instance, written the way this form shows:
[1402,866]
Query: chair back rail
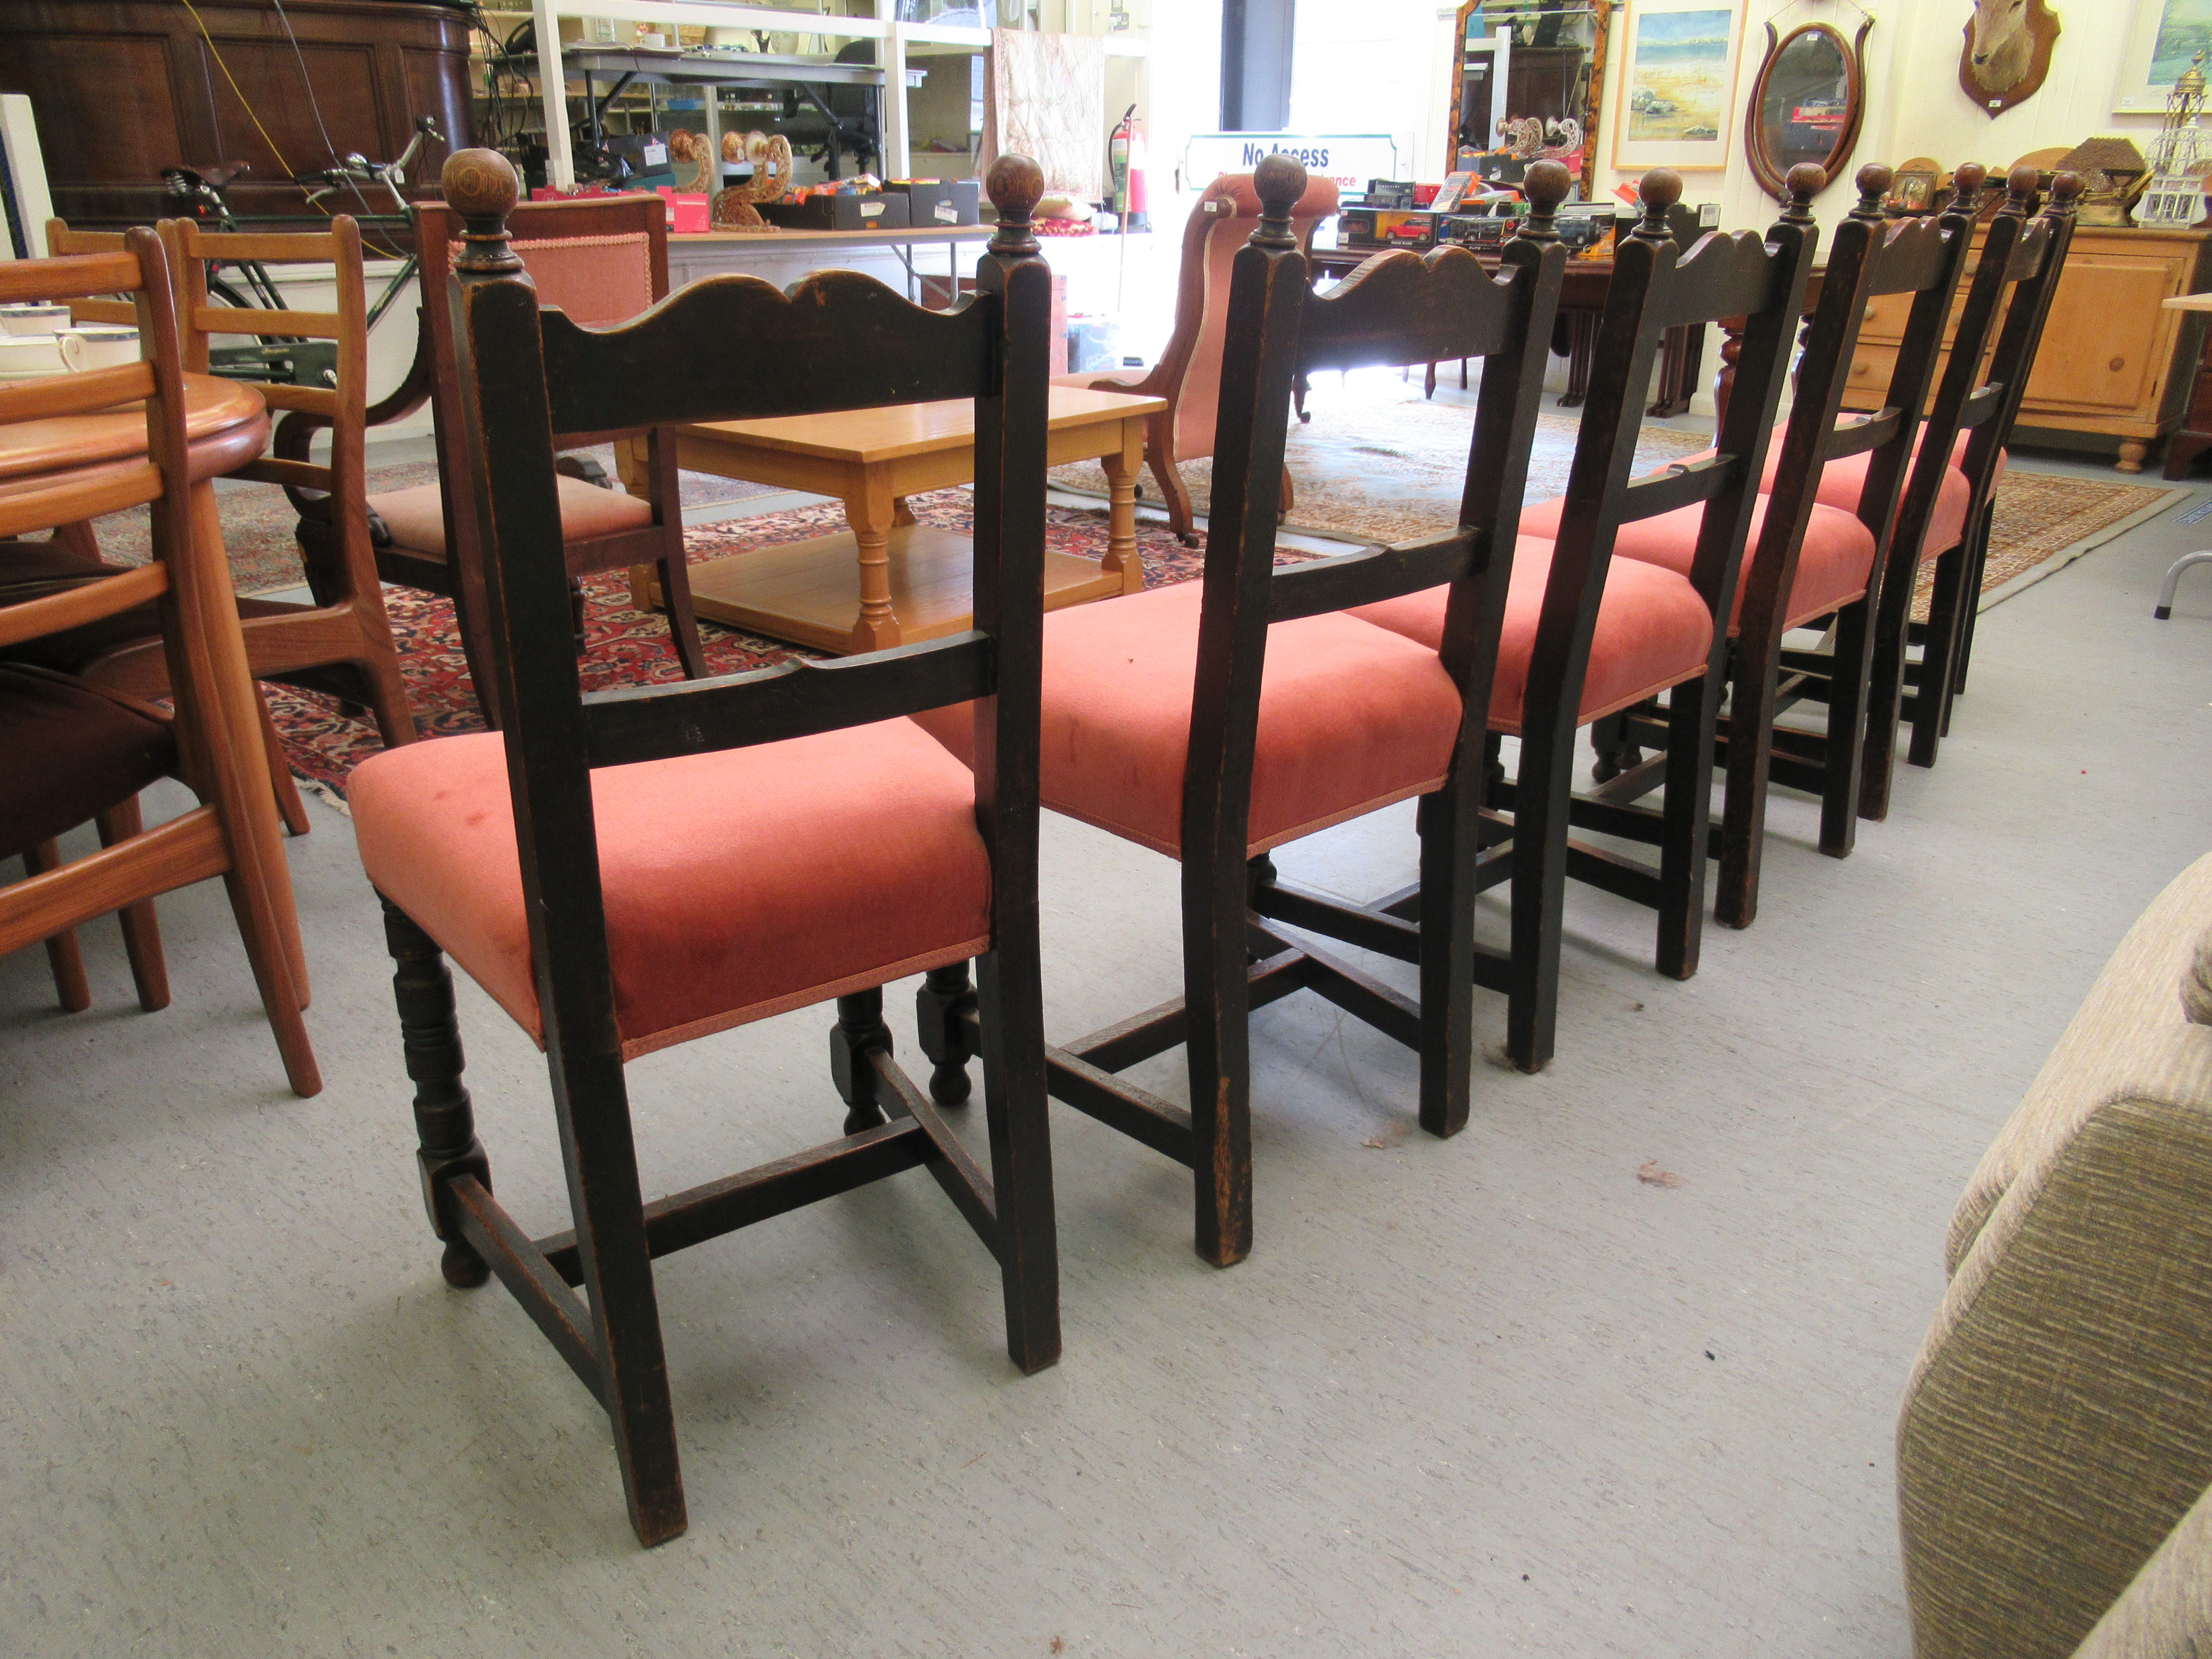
[839,340]
[61,240]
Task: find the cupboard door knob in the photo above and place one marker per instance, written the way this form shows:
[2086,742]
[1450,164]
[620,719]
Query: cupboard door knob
[2118,364]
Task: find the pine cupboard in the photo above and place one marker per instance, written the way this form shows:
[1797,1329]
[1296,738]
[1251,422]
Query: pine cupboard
[2114,363]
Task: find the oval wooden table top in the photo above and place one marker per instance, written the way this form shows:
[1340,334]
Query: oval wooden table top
[222,418]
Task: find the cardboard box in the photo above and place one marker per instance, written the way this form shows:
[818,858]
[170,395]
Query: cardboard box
[1391,193]
[1477,230]
[687,210]
[939,202]
[885,212]
[1386,227]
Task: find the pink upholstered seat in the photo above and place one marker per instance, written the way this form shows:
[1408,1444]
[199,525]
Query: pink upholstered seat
[1841,481]
[1832,562]
[1351,718]
[1653,631]
[739,884]
[417,517]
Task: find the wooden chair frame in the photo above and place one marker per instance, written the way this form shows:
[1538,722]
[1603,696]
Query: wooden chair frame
[1989,414]
[1655,286]
[459,575]
[1235,958]
[1871,256]
[733,348]
[233,832]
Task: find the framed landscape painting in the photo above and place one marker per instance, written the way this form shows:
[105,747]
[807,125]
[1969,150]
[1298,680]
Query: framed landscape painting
[1677,105]
[2164,39]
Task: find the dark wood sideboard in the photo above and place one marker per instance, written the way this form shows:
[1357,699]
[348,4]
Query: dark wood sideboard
[121,90]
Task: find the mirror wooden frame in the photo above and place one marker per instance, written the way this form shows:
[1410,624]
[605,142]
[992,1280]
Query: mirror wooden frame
[1602,14]
[1770,173]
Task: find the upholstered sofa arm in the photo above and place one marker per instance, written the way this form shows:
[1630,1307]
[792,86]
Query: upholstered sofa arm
[2166,1611]
[2058,1424]
[2132,1039]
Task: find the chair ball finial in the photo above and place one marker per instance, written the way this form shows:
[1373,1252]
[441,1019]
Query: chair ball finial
[2065,187]
[1545,185]
[1966,185]
[481,185]
[1015,185]
[1659,189]
[2020,184]
[1278,181]
[1805,181]
[1873,181]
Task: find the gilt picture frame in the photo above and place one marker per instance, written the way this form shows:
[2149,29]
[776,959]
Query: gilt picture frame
[1676,105]
[2163,38]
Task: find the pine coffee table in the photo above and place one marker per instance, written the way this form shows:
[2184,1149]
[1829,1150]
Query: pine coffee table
[888,581]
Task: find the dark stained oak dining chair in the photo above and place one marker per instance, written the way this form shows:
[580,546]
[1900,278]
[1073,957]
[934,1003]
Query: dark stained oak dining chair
[1987,404]
[1812,558]
[1218,719]
[1588,634]
[628,870]
[70,751]
[601,262]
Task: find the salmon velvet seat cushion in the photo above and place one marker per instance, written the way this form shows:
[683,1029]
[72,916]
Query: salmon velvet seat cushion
[737,885]
[1351,718]
[417,517]
[1832,562]
[1653,631]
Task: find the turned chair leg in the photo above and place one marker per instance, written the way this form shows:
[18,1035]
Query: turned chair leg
[63,954]
[859,1029]
[445,1124]
[943,1009]
[1449,830]
[142,933]
[1216,999]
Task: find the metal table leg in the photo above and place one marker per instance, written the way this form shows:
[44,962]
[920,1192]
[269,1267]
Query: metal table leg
[2174,581]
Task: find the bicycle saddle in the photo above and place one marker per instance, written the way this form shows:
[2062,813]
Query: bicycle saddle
[218,173]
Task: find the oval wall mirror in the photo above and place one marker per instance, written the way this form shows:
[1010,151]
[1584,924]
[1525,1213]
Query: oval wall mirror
[1806,103]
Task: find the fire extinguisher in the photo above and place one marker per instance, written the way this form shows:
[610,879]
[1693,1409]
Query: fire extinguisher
[1125,156]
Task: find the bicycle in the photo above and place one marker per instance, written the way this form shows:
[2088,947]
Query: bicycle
[197,193]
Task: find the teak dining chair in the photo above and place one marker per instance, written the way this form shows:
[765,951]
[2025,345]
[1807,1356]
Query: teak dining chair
[1188,371]
[1218,720]
[602,263]
[1814,558]
[627,869]
[1607,634]
[70,751]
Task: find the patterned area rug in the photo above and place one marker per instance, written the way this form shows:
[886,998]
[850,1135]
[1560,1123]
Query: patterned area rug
[2045,521]
[1383,465]
[628,646]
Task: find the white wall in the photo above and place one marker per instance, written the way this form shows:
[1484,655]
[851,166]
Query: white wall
[1374,66]
[1914,103]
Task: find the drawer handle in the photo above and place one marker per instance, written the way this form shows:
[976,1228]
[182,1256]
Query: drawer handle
[2116,364]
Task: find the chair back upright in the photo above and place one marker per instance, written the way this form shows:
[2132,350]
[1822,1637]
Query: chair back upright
[602,261]
[734,348]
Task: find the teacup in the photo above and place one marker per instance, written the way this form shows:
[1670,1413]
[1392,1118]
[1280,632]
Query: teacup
[96,345]
[34,318]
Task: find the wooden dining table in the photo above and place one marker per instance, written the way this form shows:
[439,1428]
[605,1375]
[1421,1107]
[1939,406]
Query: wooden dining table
[226,425]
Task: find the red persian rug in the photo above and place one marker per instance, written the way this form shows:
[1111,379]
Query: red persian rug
[628,646]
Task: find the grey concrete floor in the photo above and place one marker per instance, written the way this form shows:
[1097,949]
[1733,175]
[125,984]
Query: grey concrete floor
[1492,1395]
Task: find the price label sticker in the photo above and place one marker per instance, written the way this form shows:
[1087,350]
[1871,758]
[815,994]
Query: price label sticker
[656,155]
[947,214]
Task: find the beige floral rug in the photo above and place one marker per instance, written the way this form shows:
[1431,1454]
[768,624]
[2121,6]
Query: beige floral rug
[1380,463]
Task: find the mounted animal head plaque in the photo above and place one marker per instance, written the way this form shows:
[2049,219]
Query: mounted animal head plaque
[1806,104]
[2007,52]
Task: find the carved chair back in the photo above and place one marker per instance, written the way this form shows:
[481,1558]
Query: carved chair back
[734,348]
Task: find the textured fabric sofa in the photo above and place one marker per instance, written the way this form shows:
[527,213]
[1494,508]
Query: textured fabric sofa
[2055,1448]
